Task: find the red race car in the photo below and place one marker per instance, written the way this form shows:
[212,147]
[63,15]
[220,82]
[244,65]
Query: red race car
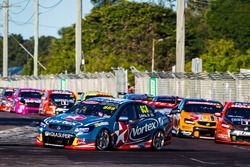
[165,101]
[234,124]
[56,102]
[145,98]
[5,99]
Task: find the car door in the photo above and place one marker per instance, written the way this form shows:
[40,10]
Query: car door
[126,118]
[147,123]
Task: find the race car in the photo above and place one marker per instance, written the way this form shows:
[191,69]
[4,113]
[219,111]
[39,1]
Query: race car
[234,124]
[5,99]
[139,97]
[164,102]
[103,124]
[26,100]
[56,102]
[196,118]
[87,95]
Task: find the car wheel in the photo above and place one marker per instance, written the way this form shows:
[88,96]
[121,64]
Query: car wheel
[158,140]
[103,140]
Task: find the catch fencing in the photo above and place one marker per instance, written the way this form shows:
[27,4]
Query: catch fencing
[217,86]
[105,82]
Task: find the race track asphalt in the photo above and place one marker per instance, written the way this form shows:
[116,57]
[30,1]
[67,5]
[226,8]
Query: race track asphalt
[17,134]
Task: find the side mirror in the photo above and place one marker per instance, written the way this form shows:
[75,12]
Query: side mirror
[217,114]
[123,118]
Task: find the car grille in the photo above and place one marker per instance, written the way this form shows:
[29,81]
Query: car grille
[59,127]
[66,106]
[242,128]
[207,123]
[35,105]
[58,141]
[241,139]
[33,111]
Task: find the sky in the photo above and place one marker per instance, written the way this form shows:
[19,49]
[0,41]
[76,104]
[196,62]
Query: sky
[53,15]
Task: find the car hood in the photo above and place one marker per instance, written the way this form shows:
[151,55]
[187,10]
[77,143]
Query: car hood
[201,116]
[74,120]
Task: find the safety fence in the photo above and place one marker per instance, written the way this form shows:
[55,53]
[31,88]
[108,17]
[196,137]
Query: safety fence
[105,82]
[217,86]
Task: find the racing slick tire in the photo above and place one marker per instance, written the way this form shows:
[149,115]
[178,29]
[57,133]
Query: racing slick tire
[103,140]
[158,140]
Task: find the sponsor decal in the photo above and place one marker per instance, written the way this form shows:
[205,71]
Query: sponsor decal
[57,134]
[65,122]
[101,124]
[205,103]
[32,101]
[78,118]
[61,92]
[244,121]
[64,101]
[241,105]
[143,129]
[240,133]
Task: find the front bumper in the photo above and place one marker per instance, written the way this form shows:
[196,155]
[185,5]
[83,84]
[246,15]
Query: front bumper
[89,146]
[199,132]
[75,143]
[231,138]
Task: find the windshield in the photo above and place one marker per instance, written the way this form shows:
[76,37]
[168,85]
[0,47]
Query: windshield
[238,112]
[203,108]
[95,109]
[8,93]
[62,96]
[31,95]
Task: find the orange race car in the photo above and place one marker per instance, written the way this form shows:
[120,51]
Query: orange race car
[234,124]
[196,118]
[56,102]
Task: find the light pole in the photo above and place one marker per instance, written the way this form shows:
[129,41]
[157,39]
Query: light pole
[153,53]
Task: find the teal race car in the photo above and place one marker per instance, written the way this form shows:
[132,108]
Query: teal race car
[104,123]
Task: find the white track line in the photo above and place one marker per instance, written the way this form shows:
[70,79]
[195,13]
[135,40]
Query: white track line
[242,148]
[203,162]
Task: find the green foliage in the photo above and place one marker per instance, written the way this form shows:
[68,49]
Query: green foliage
[222,56]
[229,19]
[43,50]
[118,35]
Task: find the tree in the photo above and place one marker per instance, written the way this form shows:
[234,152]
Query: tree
[222,56]
[44,46]
[118,36]
[229,19]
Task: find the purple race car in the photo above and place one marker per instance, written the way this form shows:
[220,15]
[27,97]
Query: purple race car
[26,100]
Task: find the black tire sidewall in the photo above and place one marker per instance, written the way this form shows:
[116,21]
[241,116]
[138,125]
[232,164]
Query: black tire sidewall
[153,146]
[109,144]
